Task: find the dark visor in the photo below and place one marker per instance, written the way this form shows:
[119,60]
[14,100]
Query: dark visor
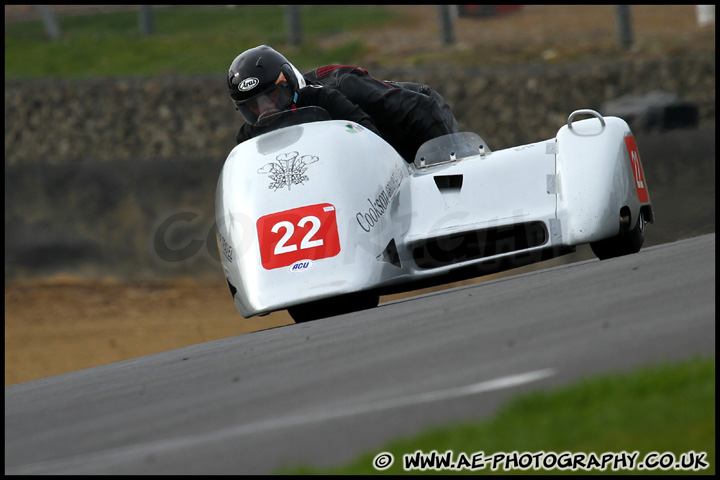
[275,99]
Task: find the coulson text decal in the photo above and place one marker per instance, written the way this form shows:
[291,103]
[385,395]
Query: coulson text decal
[378,206]
[227,249]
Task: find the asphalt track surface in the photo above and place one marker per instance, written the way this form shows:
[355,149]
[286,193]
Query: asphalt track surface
[323,392]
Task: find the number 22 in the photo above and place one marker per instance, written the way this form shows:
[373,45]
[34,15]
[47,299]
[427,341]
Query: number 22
[306,242]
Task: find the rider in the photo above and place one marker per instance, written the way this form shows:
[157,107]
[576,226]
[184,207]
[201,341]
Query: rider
[407,114]
[261,82]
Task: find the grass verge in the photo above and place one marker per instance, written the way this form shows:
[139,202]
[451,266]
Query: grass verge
[668,408]
[186,40]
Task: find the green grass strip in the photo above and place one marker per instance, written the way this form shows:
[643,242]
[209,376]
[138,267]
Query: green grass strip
[667,408]
[187,40]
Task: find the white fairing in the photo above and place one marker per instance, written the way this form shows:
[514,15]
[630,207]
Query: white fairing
[597,176]
[339,186]
[322,209]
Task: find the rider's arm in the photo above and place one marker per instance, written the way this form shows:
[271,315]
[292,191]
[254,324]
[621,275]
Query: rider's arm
[404,111]
[336,104]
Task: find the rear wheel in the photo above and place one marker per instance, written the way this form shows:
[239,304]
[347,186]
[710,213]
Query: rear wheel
[333,306]
[626,242]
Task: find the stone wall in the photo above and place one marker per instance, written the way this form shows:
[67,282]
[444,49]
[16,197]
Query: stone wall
[520,105]
[117,177]
[66,121]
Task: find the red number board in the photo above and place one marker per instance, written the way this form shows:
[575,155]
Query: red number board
[640,184]
[305,233]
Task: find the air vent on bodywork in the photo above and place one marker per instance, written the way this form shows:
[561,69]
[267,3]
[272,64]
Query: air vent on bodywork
[447,183]
[233,290]
[461,247]
[390,254]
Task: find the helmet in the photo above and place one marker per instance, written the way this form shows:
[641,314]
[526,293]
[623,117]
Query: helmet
[261,81]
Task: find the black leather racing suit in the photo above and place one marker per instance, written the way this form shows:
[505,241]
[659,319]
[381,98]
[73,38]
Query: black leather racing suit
[331,100]
[407,114]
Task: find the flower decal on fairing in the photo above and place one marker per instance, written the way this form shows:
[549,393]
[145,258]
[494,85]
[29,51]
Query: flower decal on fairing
[288,170]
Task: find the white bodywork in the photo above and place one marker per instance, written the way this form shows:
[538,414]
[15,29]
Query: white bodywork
[328,208]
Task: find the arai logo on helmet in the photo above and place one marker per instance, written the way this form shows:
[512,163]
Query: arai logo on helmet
[301,266]
[248,84]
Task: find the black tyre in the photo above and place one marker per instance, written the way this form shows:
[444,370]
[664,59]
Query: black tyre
[333,306]
[625,243]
